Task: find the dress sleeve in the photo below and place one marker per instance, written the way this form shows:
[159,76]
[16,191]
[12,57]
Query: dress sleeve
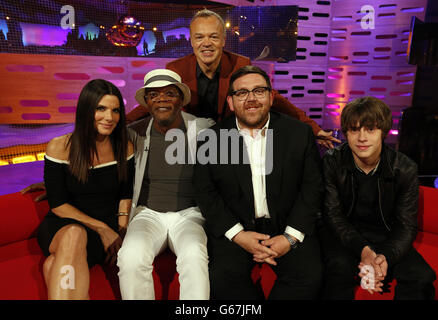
[126,190]
[54,180]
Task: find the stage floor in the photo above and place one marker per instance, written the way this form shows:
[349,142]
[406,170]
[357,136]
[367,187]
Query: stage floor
[15,177]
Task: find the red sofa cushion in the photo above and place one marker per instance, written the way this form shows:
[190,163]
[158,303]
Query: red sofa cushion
[428,210]
[166,282]
[21,259]
[427,245]
[21,269]
[21,216]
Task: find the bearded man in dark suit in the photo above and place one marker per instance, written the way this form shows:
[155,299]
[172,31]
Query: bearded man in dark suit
[260,204]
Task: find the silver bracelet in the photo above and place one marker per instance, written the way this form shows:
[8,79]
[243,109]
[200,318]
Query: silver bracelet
[123,214]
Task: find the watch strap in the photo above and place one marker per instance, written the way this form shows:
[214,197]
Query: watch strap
[293,243]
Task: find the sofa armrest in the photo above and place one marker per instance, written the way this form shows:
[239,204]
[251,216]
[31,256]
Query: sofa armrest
[20,216]
[428,210]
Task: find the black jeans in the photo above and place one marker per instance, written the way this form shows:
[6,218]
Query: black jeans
[413,275]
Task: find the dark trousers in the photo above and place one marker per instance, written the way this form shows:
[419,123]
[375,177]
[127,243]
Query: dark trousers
[413,275]
[299,272]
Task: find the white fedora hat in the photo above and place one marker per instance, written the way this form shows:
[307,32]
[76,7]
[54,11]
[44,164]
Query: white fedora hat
[159,78]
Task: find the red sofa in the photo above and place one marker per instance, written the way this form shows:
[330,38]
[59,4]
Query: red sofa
[21,258]
[426,242]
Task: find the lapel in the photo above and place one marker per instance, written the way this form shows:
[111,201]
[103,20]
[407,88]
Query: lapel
[273,165]
[142,150]
[273,161]
[244,176]
[188,77]
[224,77]
[242,170]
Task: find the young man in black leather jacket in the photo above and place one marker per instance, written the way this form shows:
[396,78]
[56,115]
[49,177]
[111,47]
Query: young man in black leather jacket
[370,210]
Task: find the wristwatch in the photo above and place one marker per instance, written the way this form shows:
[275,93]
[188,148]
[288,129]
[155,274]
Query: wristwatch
[293,243]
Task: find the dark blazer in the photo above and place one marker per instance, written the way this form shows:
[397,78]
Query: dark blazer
[294,188]
[230,62]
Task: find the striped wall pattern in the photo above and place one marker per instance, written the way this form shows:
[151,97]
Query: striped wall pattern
[337,61]
[45,88]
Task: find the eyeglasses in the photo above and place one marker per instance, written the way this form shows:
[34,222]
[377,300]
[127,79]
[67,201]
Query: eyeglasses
[168,94]
[242,94]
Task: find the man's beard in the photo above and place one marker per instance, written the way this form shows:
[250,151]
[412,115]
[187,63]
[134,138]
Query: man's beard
[168,121]
[165,122]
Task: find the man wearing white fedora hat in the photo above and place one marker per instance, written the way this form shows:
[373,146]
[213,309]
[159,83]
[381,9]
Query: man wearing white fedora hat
[164,212]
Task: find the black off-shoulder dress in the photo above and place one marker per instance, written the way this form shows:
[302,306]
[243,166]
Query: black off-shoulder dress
[98,198]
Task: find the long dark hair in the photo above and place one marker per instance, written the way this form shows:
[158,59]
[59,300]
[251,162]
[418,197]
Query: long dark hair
[83,139]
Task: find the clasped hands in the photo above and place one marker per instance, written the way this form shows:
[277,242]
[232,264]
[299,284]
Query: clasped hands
[111,240]
[380,267]
[262,246]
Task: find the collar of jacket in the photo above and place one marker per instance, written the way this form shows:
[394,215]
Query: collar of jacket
[199,72]
[387,169]
[226,65]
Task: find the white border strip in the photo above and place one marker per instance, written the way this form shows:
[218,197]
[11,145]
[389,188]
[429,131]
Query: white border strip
[96,167]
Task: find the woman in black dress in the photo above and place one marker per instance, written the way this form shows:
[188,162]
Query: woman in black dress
[88,177]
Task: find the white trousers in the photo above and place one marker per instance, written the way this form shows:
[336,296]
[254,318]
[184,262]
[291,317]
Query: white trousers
[148,234]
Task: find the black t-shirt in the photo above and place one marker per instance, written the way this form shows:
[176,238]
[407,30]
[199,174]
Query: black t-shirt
[366,215]
[207,93]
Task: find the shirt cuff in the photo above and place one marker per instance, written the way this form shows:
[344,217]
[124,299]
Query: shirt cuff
[233,231]
[295,233]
